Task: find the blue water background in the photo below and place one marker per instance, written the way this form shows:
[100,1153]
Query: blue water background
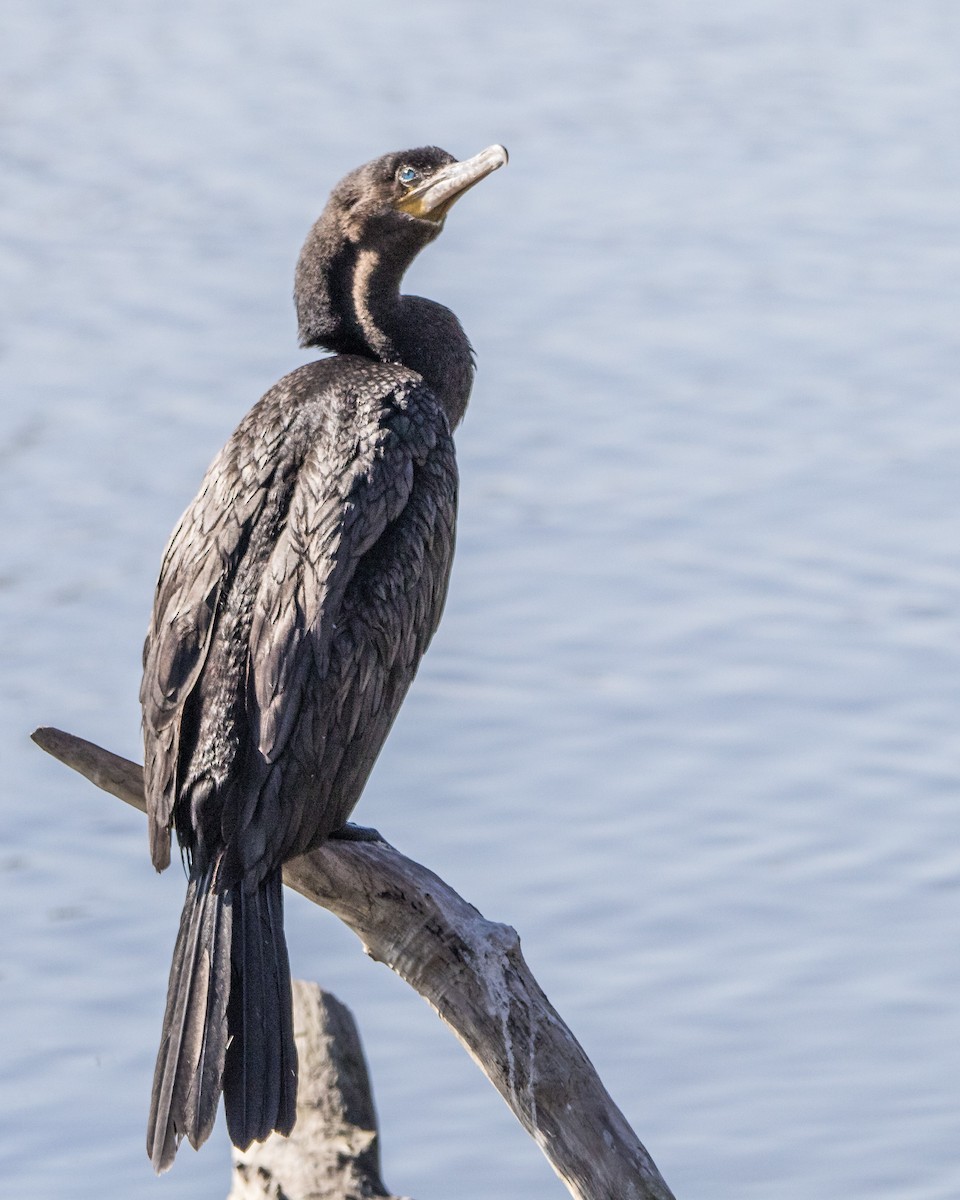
[691,721]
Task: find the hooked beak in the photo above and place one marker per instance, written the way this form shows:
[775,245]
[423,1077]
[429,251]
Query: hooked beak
[433,199]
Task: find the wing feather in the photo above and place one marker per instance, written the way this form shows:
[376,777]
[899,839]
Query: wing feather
[198,563]
[339,510]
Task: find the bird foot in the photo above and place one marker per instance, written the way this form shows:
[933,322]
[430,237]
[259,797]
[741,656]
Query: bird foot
[357,833]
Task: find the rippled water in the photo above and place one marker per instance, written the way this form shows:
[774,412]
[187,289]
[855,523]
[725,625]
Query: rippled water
[690,722]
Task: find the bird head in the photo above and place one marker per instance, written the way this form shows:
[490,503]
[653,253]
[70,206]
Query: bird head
[378,218]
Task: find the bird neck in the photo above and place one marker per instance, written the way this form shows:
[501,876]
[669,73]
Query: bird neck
[427,337]
[350,302]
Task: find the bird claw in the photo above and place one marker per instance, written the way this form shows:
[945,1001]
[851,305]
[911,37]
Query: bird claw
[357,833]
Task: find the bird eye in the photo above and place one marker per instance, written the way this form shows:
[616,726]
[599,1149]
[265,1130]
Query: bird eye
[407,175]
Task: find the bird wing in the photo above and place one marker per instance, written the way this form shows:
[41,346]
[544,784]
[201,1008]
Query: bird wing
[198,565]
[341,506]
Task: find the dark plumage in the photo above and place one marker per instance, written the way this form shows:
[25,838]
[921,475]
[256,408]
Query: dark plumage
[296,598]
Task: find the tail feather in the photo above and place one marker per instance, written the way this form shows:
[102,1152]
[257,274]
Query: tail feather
[228,1024]
[189,1071]
[260,1079]
[289,1065]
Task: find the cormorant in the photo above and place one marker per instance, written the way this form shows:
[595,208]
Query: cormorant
[295,600]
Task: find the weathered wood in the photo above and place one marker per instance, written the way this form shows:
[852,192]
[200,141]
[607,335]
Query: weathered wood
[472,972]
[333,1152]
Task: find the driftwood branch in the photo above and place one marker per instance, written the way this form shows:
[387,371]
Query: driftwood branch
[333,1152]
[471,971]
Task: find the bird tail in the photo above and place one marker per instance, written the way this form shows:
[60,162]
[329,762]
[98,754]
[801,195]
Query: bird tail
[228,1024]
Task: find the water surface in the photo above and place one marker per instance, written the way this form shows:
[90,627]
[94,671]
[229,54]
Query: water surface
[690,721]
